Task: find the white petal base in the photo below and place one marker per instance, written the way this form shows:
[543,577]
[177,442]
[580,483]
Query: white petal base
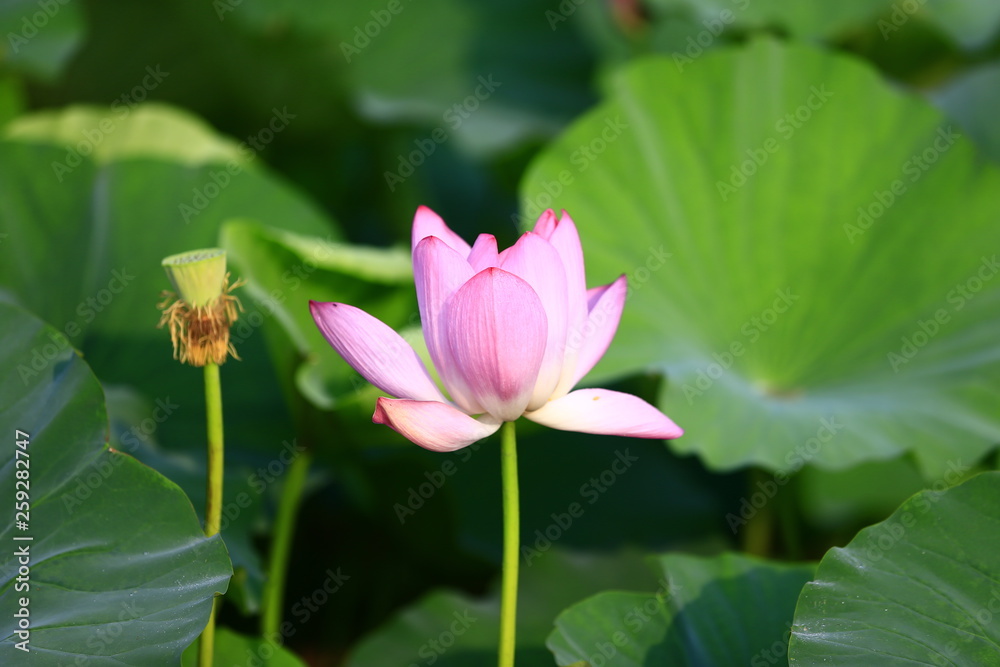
[436,426]
[606,412]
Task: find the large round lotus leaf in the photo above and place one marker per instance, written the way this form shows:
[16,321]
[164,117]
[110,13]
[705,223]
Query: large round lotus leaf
[811,252]
[717,18]
[108,561]
[724,610]
[970,23]
[919,588]
[471,89]
[972,99]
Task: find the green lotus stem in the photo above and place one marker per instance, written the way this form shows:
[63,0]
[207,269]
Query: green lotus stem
[213,502]
[206,644]
[758,532]
[213,407]
[281,546]
[788,520]
[511,544]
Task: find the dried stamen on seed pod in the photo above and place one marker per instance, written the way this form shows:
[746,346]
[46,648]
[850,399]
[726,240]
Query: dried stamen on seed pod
[203,308]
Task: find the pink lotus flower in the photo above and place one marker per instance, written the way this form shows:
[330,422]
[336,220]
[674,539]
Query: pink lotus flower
[509,333]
